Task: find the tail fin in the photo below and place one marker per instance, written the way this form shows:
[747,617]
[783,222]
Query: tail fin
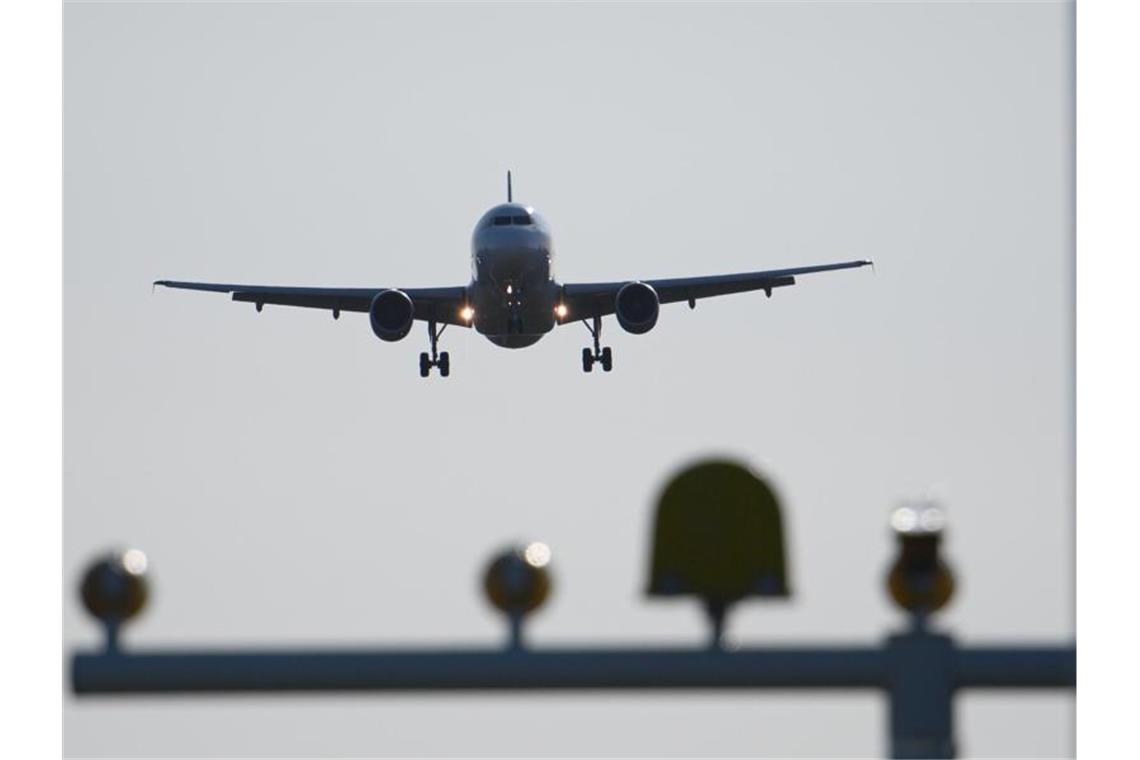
[509,200]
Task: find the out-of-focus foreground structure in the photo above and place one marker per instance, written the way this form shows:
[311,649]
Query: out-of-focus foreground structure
[718,536]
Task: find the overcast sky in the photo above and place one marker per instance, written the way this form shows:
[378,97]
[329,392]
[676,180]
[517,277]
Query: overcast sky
[294,481]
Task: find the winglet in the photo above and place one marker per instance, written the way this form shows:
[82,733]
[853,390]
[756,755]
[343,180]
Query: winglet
[509,200]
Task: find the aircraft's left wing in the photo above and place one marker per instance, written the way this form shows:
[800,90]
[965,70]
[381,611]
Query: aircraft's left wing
[439,304]
[585,300]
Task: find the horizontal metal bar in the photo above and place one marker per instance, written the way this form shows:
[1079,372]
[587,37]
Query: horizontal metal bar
[420,670]
[1020,667]
[640,668]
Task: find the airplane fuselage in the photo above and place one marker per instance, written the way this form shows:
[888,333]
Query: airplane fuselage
[513,292]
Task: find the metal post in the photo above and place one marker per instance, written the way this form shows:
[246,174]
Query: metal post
[515,636]
[920,684]
[111,627]
[716,613]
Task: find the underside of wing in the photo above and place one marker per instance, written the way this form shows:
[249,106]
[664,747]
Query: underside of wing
[439,304]
[585,300]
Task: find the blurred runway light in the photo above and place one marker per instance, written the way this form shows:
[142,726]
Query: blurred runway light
[517,582]
[719,536]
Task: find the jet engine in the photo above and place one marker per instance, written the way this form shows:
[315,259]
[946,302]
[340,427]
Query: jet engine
[636,307]
[391,314]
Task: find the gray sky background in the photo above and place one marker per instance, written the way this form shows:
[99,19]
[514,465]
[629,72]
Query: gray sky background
[293,479]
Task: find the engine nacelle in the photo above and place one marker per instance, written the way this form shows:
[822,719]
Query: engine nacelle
[391,314]
[636,307]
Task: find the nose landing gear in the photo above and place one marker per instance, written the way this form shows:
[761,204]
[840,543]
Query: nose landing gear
[599,354]
[437,359]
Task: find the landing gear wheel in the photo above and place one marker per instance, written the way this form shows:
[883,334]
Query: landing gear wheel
[439,359]
[598,354]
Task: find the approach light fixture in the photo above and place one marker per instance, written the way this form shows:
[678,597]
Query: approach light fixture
[114,590]
[919,580]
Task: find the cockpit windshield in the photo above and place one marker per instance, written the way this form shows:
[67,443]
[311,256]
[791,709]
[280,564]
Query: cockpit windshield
[517,220]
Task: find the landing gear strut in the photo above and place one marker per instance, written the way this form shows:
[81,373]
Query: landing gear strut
[599,354]
[439,359]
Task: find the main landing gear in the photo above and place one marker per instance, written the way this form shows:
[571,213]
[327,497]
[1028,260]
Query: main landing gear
[599,354]
[441,359]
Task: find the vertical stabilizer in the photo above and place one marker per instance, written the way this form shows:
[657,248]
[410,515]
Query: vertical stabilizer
[509,200]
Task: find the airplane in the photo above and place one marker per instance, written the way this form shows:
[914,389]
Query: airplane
[513,298]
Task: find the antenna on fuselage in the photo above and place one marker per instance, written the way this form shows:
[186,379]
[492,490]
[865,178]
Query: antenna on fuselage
[509,186]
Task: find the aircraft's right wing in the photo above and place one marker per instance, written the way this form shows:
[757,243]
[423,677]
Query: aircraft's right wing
[585,300]
[439,304]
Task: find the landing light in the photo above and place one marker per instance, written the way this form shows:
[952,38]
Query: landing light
[560,310]
[466,313]
[918,518]
[537,554]
[134,561]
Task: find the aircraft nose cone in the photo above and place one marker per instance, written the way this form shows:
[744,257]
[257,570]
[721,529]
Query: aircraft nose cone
[507,264]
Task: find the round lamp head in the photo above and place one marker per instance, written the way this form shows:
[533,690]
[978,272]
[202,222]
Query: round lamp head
[517,581]
[115,587]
